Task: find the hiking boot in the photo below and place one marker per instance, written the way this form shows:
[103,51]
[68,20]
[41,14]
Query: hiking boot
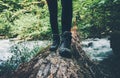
[56,42]
[65,46]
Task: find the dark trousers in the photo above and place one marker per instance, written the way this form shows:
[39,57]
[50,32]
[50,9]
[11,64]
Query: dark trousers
[66,15]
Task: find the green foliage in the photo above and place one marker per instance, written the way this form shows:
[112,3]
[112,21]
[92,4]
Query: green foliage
[25,19]
[21,53]
[30,18]
[23,26]
[97,17]
[4,25]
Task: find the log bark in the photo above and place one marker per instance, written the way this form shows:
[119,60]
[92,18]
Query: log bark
[48,64]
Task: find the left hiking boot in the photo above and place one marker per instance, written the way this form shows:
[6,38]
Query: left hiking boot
[56,42]
[65,46]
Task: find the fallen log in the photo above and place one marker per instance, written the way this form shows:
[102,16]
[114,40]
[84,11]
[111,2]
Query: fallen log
[48,64]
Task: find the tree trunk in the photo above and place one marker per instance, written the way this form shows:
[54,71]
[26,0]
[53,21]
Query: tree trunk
[48,64]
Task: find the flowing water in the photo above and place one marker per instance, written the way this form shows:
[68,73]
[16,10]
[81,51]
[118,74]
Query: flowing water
[4,50]
[97,49]
[7,47]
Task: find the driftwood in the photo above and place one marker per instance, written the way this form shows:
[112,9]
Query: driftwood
[48,64]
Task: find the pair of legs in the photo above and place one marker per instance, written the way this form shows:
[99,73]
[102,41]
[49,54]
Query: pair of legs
[66,15]
[66,20]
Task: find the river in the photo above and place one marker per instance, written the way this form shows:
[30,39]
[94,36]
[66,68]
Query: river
[7,46]
[97,49]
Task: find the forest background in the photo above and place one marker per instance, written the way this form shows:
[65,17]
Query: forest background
[30,18]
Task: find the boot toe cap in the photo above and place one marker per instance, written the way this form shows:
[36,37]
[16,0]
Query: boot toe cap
[65,53]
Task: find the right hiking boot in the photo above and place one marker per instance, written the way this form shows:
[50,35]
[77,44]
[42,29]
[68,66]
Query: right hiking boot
[56,42]
[65,46]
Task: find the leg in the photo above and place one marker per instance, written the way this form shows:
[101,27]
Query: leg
[52,6]
[66,15]
[65,46]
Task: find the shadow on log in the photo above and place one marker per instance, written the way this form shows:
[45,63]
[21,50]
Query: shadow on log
[48,64]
